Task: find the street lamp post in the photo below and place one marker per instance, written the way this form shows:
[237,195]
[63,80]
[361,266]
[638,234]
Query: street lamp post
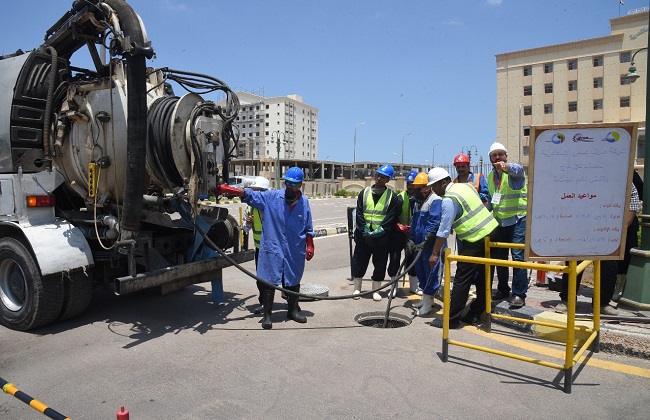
[354,152]
[469,153]
[520,130]
[433,155]
[402,157]
[279,137]
[637,285]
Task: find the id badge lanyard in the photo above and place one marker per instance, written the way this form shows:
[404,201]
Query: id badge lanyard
[496,198]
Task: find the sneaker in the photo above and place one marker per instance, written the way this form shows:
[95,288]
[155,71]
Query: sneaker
[609,310]
[561,308]
[500,295]
[469,319]
[517,302]
[419,292]
[437,323]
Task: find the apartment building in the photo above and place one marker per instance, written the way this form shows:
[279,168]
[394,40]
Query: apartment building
[268,123]
[577,82]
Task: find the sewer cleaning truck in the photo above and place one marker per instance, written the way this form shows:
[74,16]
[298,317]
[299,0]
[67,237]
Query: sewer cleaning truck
[103,169]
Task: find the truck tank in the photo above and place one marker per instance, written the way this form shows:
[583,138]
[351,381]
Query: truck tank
[106,167]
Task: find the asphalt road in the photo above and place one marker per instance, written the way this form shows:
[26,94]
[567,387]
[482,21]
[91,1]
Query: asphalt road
[180,356]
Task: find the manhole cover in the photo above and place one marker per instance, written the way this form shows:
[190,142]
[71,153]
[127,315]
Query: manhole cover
[313,290]
[377,319]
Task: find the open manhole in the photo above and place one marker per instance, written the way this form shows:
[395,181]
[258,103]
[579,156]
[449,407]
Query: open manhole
[376,319]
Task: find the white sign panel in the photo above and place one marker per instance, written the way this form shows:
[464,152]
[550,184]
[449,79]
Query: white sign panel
[579,191]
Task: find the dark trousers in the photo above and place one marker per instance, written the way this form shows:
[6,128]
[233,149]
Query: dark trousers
[631,241]
[362,254]
[608,270]
[395,248]
[466,275]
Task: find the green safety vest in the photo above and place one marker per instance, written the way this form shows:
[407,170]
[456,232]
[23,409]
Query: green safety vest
[476,222]
[374,214]
[257,226]
[513,202]
[405,216]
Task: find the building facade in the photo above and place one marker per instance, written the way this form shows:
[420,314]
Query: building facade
[269,124]
[578,82]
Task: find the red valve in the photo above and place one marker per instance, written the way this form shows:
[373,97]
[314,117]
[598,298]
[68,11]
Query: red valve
[123,414]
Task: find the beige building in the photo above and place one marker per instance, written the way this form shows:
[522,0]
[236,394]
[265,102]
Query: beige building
[263,121]
[577,82]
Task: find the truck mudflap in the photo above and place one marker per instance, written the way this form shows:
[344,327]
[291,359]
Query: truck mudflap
[177,277]
[58,246]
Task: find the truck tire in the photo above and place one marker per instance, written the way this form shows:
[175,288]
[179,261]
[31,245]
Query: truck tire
[27,299]
[77,293]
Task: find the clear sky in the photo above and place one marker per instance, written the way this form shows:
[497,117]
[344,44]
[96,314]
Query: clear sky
[424,67]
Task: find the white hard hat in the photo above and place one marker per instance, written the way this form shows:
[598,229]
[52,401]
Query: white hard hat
[497,146]
[437,174]
[261,183]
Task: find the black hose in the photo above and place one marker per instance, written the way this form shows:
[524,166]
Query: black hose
[47,119]
[137,116]
[291,292]
[159,140]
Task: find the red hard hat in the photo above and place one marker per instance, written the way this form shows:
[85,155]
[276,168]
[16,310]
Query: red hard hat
[461,158]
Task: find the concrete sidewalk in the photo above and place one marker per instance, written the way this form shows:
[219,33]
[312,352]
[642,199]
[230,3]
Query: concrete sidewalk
[617,335]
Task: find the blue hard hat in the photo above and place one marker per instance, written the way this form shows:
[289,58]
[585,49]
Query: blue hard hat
[386,170]
[410,177]
[294,174]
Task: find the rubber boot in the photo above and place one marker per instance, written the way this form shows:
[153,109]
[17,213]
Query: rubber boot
[413,284]
[358,281]
[427,305]
[618,289]
[258,310]
[376,296]
[293,312]
[269,294]
[393,290]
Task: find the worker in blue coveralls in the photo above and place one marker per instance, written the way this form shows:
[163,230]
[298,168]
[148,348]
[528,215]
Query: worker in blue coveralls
[287,241]
[424,227]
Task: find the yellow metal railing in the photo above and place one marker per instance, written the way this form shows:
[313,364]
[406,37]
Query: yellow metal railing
[572,270]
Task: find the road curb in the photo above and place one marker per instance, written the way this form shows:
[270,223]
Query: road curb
[613,338]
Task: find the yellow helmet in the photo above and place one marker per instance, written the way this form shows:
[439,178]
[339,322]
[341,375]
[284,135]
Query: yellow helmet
[421,180]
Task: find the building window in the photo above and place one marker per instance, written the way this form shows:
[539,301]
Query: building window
[548,108]
[528,90]
[548,68]
[527,130]
[573,85]
[572,64]
[599,60]
[598,82]
[573,106]
[625,57]
[548,88]
[624,79]
[528,70]
[528,110]
[598,104]
[625,101]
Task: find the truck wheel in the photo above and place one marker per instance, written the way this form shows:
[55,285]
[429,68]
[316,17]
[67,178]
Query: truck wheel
[77,293]
[27,300]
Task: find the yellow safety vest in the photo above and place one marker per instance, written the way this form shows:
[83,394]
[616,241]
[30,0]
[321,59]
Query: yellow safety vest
[257,226]
[512,202]
[374,214]
[405,216]
[476,222]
